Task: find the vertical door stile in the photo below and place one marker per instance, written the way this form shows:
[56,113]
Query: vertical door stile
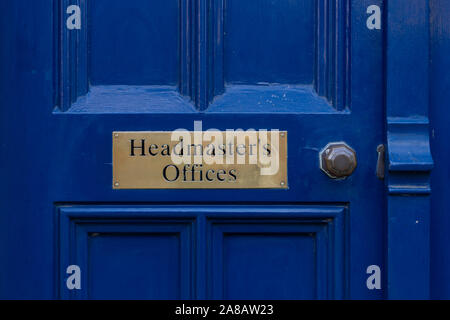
[409,157]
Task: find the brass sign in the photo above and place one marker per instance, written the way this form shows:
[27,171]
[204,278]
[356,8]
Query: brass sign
[200,160]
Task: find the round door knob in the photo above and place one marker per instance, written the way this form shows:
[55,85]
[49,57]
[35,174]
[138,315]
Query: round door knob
[338,160]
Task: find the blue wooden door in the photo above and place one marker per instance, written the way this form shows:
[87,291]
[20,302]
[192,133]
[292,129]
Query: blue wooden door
[79,70]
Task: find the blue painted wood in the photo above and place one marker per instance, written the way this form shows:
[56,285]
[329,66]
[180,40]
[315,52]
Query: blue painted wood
[125,257]
[134,42]
[409,156]
[186,48]
[132,99]
[267,98]
[197,62]
[122,44]
[268,49]
[408,247]
[71,48]
[327,61]
[269,256]
[332,49]
[55,158]
[440,135]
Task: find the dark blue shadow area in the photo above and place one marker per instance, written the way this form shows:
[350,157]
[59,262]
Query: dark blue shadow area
[132,99]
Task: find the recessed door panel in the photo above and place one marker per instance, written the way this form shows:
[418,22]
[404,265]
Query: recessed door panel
[123,257]
[133,266]
[133,42]
[212,252]
[273,256]
[269,266]
[311,68]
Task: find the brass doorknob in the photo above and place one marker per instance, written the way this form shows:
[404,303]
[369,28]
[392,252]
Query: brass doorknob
[338,160]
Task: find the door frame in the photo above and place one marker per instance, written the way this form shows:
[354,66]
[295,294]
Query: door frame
[408,143]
